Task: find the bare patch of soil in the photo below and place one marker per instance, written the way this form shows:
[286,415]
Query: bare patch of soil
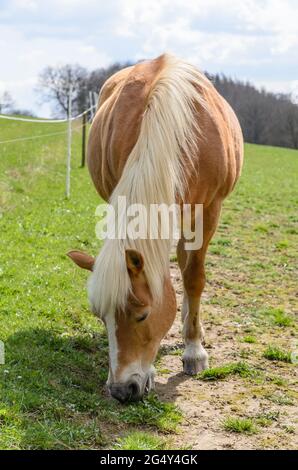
[269,399]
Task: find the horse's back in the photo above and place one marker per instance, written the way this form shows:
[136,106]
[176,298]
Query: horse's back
[116,127]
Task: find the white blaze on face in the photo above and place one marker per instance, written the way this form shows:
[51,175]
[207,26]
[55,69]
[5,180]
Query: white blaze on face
[135,368]
[110,322]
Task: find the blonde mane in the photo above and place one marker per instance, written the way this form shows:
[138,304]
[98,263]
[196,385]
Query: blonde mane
[153,174]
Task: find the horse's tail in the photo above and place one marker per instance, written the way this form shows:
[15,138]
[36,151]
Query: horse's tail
[154,173]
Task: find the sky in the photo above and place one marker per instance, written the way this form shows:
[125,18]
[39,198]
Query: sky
[255,40]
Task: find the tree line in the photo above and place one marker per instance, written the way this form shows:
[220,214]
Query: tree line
[265,117]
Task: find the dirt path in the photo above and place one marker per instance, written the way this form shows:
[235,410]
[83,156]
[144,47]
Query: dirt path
[268,400]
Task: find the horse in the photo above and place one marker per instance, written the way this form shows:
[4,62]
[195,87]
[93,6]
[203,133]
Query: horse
[161,134]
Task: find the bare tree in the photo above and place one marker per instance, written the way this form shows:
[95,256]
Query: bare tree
[6,103]
[265,118]
[54,85]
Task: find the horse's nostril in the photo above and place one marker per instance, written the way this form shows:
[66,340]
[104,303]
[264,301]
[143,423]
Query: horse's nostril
[126,392]
[134,391]
[120,393]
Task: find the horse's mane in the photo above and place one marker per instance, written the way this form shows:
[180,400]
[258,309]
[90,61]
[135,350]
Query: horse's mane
[154,173]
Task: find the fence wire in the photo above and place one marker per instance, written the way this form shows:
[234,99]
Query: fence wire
[41,121]
[67,131]
[46,121]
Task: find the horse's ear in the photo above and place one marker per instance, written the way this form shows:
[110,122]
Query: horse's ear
[82,259]
[134,261]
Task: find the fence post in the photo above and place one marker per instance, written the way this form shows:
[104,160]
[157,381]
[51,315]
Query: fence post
[68,144]
[83,140]
[91,104]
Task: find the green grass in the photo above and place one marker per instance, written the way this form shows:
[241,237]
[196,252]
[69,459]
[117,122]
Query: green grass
[273,353]
[52,384]
[289,429]
[275,379]
[141,441]
[218,373]
[164,416]
[249,339]
[281,319]
[240,425]
[266,419]
[52,391]
[280,398]
[277,316]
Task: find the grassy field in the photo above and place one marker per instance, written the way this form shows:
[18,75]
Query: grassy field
[56,353]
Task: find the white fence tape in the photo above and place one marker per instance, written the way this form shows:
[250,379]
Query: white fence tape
[46,121]
[39,136]
[19,139]
[51,121]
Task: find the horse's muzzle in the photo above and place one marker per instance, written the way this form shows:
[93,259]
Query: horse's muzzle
[131,391]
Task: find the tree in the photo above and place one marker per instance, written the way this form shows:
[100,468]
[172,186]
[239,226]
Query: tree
[6,103]
[291,124]
[96,79]
[55,83]
[265,118]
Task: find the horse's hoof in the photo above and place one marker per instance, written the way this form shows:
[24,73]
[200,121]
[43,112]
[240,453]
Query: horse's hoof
[193,365]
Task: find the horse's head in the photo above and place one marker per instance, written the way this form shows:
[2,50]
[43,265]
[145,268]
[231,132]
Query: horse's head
[134,334]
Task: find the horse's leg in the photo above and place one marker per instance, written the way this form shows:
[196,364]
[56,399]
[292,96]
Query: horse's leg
[192,262]
[181,258]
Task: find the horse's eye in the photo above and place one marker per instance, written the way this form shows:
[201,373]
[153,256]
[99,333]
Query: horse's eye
[142,317]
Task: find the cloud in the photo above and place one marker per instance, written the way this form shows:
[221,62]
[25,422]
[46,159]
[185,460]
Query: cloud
[251,39]
[207,26]
[25,57]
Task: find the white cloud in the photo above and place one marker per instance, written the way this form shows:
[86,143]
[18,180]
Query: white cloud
[30,5]
[25,57]
[251,39]
[248,23]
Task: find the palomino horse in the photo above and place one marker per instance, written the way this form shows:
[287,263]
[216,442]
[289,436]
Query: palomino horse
[161,134]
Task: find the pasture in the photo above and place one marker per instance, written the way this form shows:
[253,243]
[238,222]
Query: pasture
[52,393]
